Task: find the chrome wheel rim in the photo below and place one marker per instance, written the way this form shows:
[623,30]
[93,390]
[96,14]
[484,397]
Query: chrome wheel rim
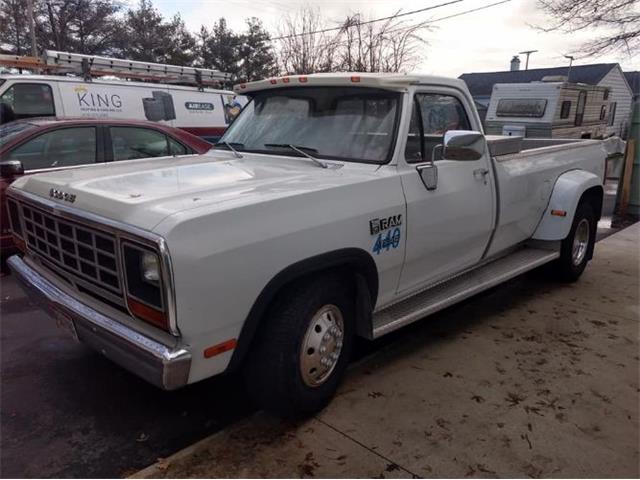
[580,242]
[322,345]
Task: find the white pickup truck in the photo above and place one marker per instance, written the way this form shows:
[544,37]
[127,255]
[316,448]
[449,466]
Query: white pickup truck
[335,206]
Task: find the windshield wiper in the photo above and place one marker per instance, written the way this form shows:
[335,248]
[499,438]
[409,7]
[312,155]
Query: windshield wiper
[229,145]
[301,150]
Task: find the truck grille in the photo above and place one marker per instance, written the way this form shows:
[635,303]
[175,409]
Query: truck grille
[88,254]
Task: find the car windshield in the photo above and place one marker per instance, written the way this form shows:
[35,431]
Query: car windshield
[341,123]
[10,130]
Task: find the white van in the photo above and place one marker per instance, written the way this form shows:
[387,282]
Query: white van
[197,108]
[548,109]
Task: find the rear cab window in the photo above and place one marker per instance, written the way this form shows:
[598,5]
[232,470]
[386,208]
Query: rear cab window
[27,100]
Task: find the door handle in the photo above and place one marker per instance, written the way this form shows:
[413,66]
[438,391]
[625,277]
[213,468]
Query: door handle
[481,174]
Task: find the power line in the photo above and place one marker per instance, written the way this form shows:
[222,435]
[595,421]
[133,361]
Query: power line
[467,11]
[413,12]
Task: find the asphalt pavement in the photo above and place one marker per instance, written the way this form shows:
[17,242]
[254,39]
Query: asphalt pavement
[66,411]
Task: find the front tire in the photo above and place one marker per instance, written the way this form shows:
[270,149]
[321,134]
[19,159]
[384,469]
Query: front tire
[303,348]
[576,249]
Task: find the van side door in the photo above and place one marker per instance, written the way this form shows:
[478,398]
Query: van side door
[448,226]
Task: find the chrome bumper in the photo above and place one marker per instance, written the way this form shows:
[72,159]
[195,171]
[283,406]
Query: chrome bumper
[147,358]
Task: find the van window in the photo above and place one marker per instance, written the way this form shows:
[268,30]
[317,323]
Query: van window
[440,113]
[29,100]
[565,109]
[60,148]
[134,142]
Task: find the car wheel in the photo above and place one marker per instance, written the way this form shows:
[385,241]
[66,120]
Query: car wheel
[303,348]
[576,248]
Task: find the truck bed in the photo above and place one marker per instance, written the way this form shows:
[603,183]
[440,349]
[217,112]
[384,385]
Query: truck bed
[504,147]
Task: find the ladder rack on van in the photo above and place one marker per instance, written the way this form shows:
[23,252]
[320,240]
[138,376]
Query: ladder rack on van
[91,65]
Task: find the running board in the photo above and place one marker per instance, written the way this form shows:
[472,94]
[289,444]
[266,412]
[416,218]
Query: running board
[458,288]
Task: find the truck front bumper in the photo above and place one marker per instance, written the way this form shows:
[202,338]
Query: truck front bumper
[160,365]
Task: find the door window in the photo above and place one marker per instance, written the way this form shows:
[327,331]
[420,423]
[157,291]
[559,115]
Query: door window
[177,148]
[439,114]
[60,148]
[29,100]
[132,142]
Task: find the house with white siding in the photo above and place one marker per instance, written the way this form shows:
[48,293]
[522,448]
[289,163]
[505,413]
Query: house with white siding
[602,74]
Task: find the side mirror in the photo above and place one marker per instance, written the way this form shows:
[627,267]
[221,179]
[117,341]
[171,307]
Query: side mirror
[429,175]
[463,145]
[11,168]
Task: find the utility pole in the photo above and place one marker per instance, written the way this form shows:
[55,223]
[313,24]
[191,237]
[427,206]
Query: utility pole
[32,28]
[570,57]
[527,53]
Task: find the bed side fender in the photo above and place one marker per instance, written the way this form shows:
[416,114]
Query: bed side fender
[569,189]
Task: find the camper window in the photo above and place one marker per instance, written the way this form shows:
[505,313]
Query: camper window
[521,107]
[565,109]
[29,100]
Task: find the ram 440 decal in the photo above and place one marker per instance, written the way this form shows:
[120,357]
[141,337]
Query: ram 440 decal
[378,225]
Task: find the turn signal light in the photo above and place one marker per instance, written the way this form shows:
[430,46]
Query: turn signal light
[220,348]
[559,213]
[147,313]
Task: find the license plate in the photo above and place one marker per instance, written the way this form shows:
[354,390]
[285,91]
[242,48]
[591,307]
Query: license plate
[64,322]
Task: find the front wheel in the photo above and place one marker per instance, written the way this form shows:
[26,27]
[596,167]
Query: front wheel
[577,247]
[303,348]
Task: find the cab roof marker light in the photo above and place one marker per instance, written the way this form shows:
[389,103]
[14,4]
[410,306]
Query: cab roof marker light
[243,85]
[302,79]
[285,79]
[355,79]
[273,81]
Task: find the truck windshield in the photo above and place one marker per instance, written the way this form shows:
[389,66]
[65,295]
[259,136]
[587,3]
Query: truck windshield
[341,123]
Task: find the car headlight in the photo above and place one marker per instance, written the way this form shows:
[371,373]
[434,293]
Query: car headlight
[143,274]
[150,268]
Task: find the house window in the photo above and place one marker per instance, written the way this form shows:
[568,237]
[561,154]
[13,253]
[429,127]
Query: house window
[564,110]
[603,112]
[605,95]
[612,113]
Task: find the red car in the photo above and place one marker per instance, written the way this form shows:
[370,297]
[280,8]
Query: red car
[45,144]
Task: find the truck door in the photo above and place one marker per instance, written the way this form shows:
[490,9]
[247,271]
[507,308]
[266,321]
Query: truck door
[449,226]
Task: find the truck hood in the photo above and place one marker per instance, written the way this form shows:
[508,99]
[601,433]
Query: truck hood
[144,192]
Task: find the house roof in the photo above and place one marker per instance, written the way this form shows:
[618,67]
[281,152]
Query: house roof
[633,79]
[482,83]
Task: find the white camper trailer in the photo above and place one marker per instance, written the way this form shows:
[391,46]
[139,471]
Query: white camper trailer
[100,87]
[552,108]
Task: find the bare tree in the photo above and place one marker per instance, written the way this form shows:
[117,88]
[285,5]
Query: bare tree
[389,46]
[300,48]
[617,22]
[307,44]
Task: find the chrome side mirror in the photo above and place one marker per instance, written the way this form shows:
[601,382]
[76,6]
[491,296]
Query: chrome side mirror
[11,168]
[464,145]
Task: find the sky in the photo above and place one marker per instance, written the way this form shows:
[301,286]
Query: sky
[481,41]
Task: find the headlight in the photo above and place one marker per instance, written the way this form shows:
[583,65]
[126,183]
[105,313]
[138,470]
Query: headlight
[143,275]
[150,268]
